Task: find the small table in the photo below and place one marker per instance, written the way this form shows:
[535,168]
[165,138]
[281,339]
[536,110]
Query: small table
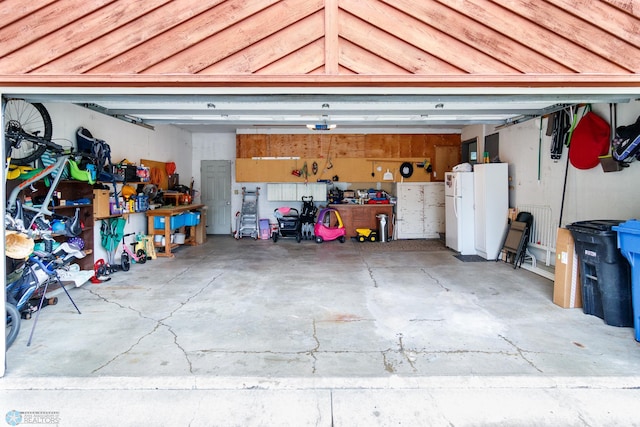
[174,197]
[167,213]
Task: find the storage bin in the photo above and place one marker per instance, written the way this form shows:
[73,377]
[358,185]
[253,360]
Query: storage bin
[604,272]
[116,210]
[191,218]
[629,244]
[175,221]
[265,229]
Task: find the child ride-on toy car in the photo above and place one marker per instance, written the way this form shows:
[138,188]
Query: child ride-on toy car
[323,229]
[367,234]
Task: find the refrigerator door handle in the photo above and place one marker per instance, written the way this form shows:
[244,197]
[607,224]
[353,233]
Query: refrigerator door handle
[454,184]
[455,206]
[455,195]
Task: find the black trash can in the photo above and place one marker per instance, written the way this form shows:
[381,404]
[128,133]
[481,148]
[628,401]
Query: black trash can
[604,272]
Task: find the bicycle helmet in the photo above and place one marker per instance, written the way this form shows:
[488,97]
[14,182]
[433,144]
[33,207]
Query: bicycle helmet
[57,226]
[127,191]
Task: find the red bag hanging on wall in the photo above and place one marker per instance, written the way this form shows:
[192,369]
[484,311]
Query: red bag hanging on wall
[590,139]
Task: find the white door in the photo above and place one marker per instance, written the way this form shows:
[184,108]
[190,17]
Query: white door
[216,195]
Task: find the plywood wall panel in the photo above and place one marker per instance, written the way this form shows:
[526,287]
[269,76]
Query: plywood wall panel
[345,169]
[349,146]
[248,146]
[382,146]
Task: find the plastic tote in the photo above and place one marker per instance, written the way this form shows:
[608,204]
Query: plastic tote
[629,244]
[604,273]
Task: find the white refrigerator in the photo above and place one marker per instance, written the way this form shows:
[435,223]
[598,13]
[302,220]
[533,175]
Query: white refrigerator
[459,212]
[491,195]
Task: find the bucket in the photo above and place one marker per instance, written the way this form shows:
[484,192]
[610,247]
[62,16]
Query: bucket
[179,239]
[383,229]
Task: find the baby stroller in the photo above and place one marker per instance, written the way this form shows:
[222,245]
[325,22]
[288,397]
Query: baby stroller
[323,229]
[288,224]
[308,217]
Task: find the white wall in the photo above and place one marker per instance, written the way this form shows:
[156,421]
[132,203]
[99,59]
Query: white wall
[590,194]
[211,146]
[165,143]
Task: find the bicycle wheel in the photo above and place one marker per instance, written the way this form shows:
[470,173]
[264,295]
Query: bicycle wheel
[125,262]
[24,120]
[13,324]
[142,256]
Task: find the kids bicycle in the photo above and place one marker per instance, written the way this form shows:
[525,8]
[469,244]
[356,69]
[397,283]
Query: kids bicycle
[140,256]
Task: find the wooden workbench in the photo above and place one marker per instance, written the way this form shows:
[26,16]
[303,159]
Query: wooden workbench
[364,216]
[167,213]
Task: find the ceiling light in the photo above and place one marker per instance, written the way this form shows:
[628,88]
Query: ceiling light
[322,126]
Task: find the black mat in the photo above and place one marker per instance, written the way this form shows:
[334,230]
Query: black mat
[470,258]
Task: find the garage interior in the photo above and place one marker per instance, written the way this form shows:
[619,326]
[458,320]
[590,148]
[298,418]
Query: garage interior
[251,332]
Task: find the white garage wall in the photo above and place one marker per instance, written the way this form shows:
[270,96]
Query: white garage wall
[590,194]
[165,143]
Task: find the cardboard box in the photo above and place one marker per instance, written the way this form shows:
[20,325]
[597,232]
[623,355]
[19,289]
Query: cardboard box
[567,290]
[101,203]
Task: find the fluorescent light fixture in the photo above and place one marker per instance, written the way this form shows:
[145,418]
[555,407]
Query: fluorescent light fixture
[321,126]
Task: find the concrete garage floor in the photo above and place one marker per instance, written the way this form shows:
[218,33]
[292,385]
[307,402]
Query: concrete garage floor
[357,334]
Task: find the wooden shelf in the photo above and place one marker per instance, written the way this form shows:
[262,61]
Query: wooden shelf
[59,208]
[74,190]
[125,214]
[123,182]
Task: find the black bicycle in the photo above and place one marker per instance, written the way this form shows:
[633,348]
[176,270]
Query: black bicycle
[27,131]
